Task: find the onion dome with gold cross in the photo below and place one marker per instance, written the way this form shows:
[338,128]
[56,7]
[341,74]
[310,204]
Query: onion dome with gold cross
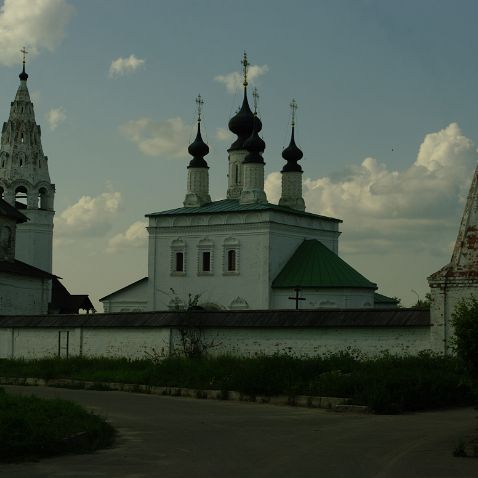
[242,123]
[292,154]
[198,148]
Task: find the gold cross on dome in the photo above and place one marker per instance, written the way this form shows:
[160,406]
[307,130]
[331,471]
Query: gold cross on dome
[24,51]
[255,95]
[293,107]
[245,65]
[199,103]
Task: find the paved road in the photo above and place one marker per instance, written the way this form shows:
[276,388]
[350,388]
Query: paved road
[177,438]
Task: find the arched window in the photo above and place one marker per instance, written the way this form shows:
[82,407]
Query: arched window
[43,198]
[231,260]
[178,257]
[179,262]
[21,196]
[205,257]
[231,256]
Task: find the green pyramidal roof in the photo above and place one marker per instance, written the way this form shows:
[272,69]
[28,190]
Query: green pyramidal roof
[315,265]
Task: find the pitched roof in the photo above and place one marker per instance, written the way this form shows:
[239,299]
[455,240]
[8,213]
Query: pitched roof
[233,205]
[126,287]
[10,211]
[383,299]
[228,318]
[20,268]
[315,265]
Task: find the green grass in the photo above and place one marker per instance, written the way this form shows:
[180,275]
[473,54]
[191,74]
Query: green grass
[387,384]
[32,427]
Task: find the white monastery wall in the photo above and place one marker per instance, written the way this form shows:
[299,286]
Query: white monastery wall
[310,342]
[139,342]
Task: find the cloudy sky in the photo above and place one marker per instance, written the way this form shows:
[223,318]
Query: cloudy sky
[387,119]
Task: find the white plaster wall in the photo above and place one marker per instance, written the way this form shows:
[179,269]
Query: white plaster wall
[139,342]
[31,343]
[21,295]
[125,342]
[219,287]
[35,239]
[133,299]
[309,342]
[324,298]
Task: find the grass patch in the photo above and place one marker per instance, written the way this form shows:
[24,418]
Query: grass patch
[32,427]
[387,384]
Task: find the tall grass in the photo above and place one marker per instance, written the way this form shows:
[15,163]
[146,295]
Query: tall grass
[388,384]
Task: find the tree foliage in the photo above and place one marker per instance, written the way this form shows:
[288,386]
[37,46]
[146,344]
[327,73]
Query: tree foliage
[465,321]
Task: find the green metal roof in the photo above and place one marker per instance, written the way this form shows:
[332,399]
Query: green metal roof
[383,299]
[233,205]
[315,265]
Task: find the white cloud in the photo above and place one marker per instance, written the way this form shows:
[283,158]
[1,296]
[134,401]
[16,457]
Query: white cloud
[234,80]
[55,116]
[90,216]
[123,66]
[223,134]
[416,209]
[169,138]
[135,236]
[37,24]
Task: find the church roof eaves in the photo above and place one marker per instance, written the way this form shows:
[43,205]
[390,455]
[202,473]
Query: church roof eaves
[23,269]
[232,206]
[315,265]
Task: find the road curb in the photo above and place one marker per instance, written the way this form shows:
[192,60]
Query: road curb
[305,401]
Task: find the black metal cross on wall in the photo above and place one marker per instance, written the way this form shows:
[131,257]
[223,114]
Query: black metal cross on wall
[297,298]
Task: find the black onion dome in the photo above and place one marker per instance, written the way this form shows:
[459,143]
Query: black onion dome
[241,124]
[292,154]
[23,75]
[255,145]
[198,149]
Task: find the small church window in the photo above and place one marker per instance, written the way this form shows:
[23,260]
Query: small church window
[179,262]
[206,261]
[231,260]
[21,138]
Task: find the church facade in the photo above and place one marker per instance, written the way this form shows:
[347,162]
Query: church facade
[243,252]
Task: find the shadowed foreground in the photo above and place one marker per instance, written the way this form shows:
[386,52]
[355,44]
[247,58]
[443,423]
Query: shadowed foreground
[168,437]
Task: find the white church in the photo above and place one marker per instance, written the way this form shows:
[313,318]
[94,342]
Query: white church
[243,252]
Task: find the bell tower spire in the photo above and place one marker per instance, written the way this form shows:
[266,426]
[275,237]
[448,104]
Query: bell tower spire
[24,178]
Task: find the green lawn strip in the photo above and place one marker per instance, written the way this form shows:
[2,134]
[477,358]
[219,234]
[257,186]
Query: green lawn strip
[32,427]
[387,384]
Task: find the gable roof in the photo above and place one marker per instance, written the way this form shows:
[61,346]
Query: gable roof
[233,205]
[10,211]
[129,286]
[315,265]
[20,268]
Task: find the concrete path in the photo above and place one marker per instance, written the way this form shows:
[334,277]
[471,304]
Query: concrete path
[177,438]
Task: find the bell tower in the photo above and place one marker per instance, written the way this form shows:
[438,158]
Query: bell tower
[25,181]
